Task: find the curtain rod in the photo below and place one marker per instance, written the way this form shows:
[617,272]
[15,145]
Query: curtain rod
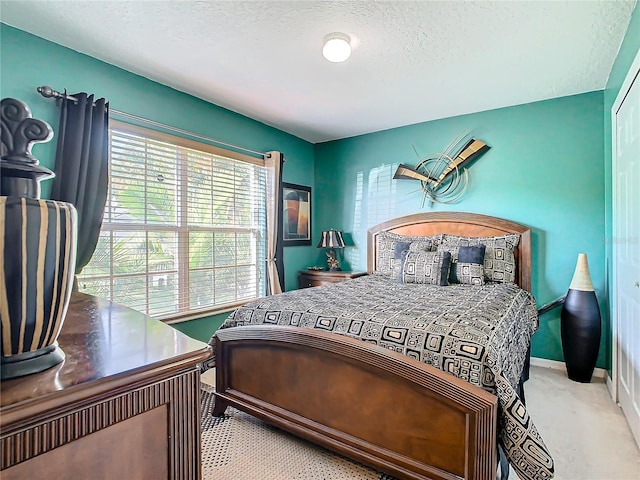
[48,92]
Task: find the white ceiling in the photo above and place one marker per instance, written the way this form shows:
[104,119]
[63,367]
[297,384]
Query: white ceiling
[412,61]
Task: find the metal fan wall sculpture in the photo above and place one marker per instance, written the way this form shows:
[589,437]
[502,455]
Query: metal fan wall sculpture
[443,176]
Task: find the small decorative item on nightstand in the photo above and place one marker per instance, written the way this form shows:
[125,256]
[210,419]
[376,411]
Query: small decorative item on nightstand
[580,324]
[332,240]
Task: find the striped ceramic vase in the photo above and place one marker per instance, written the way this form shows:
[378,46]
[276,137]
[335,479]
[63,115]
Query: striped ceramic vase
[37,263]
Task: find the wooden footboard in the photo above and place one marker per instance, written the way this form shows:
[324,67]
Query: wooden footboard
[375,406]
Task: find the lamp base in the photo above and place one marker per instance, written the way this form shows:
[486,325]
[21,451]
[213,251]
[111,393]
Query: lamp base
[30,362]
[332,262]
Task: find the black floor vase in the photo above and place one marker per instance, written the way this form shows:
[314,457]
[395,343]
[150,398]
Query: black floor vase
[580,325]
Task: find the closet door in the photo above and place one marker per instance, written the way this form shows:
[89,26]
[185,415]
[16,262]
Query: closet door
[626,246]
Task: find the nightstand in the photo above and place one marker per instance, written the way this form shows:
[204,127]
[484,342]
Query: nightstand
[315,278]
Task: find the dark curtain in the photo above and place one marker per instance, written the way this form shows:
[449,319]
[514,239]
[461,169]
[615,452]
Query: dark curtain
[82,167]
[279,244]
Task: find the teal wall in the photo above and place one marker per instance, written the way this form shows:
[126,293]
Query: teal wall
[27,61]
[544,169]
[549,166]
[629,49]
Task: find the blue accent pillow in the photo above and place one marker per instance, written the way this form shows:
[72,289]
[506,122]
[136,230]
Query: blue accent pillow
[398,250]
[470,265]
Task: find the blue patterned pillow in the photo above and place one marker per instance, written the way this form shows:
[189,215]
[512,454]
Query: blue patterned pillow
[429,268]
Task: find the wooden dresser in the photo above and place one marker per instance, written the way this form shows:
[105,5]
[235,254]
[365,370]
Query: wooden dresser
[316,278]
[124,404]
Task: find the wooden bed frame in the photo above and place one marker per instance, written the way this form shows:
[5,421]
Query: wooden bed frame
[378,407]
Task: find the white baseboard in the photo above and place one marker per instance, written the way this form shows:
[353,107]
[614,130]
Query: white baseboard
[611,388]
[554,364]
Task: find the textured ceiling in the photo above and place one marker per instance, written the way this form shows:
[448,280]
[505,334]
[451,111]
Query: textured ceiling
[412,61]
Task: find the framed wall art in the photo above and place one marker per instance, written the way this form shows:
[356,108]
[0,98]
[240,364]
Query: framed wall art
[296,209]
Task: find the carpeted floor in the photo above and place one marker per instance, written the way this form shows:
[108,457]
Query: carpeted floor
[238,446]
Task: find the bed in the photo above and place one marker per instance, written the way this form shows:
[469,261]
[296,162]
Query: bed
[419,381]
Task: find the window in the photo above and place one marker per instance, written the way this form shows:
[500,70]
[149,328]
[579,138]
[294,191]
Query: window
[184,229]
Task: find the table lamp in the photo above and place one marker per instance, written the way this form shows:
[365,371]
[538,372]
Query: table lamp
[332,239]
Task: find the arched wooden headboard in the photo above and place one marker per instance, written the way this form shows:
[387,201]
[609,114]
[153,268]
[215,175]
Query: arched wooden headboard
[458,223]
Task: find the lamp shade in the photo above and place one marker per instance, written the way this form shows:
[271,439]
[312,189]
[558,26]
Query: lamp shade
[331,239]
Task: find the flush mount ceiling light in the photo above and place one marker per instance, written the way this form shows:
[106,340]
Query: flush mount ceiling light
[337,47]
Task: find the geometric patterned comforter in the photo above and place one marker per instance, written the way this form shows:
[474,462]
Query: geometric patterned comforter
[480,334]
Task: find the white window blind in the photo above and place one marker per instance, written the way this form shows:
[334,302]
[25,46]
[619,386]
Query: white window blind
[184,229]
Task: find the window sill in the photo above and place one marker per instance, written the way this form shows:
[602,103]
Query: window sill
[204,313]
